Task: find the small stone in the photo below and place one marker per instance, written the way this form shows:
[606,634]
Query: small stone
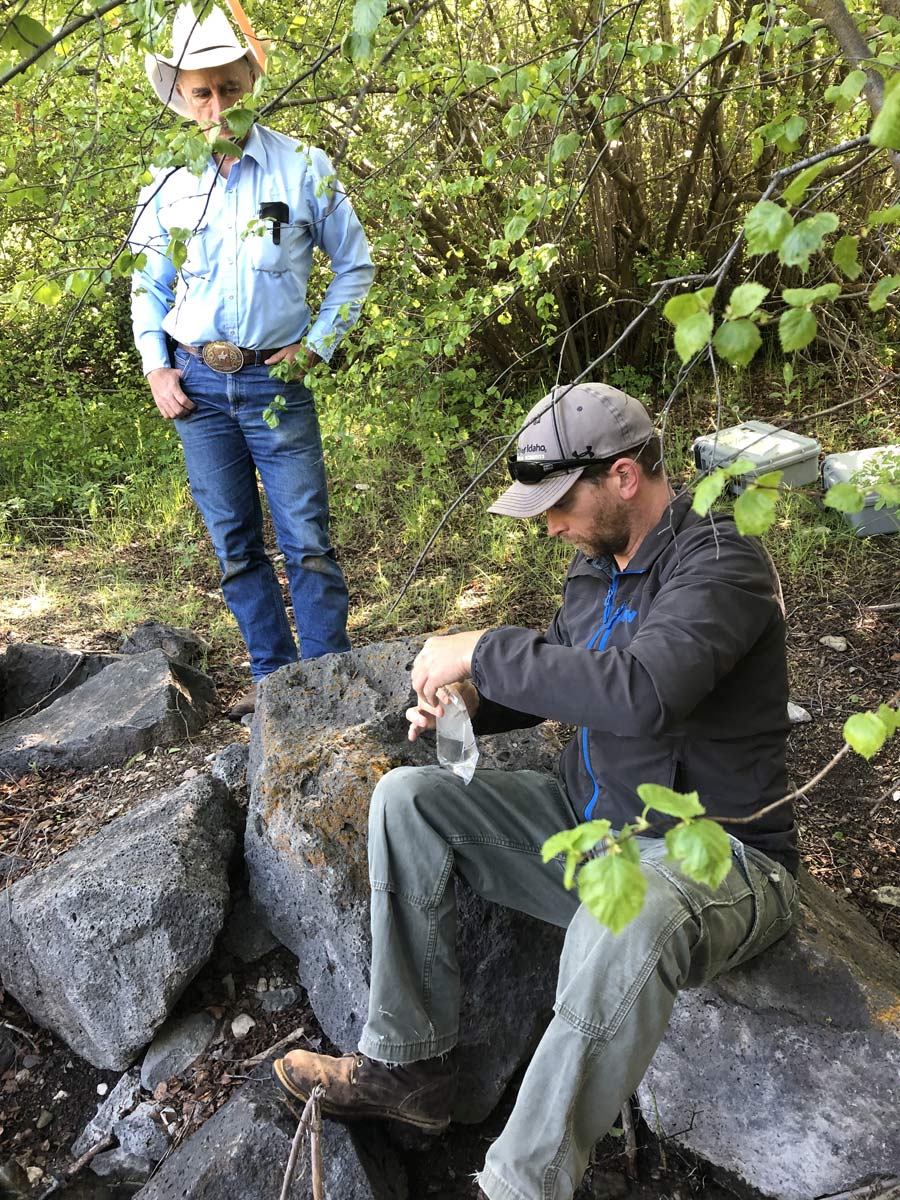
[102,1089]
[23,1076]
[834,643]
[43,1120]
[35,1174]
[277,999]
[889,894]
[190,773]
[61,1095]
[241,1025]
[797,715]
[31,1060]
[262,984]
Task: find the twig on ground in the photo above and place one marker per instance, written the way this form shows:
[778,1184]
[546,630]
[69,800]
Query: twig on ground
[294,1036]
[79,1164]
[630,1140]
[27,1036]
[311,1122]
[882,1189]
[880,607]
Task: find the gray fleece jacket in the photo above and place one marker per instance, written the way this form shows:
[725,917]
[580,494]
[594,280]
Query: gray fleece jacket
[674,670]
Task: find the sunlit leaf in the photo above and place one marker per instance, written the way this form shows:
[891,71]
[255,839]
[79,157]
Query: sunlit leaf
[367,16]
[845,497]
[702,850]
[612,889]
[806,239]
[692,334]
[754,510]
[737,341]
[844,257]
[885,130]
[746,299]
[673,804]
[796,328]
[564,146]
[883,288]
[708,490]
[766,226]
[798,297]
[796,189]
[866,733]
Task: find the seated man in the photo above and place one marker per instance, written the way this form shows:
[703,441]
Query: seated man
[668,653]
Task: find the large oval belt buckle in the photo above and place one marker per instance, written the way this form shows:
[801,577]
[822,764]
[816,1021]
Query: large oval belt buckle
[224,357]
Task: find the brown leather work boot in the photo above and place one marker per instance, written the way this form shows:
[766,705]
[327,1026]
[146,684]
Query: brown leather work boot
[245,703]
[357,1087]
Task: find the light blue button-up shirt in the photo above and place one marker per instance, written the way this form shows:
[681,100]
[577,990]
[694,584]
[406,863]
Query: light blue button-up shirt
[238,283]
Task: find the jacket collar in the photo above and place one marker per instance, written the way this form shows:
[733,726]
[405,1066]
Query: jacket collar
[660,537]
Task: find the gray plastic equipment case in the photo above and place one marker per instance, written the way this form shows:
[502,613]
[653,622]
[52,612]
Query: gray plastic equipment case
[862,467]
[767,447]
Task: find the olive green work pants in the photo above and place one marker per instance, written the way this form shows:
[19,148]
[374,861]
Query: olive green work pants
[614,993]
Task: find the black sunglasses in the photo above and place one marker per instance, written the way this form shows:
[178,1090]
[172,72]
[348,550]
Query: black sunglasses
[537,471]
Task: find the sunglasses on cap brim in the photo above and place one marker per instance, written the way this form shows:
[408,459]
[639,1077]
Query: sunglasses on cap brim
[523,471]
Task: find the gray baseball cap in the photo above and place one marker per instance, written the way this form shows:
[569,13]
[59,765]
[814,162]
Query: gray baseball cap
[582,420]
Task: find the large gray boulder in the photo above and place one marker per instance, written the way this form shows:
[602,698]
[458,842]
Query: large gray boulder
[100,945]
[786,1071]
[134,704]
[324,734]
[32,675]
[241,1154]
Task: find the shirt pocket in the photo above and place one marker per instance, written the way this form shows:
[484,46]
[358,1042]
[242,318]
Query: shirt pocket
[274,258]
[188,219]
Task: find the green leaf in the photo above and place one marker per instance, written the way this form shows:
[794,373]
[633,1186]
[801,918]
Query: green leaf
[702,849]
[796,189]
[695,11]
[884,216]
[612,889]
[177,251]
[883,288]
[746,299]
[367,16]
[845,497]
[23,35]
[885,129]
[692,335]
[766,226]
[564,146]
[708,490]
[889,717]
[866,733]
[737,341]
[574,844]
[516,228]
[357,48]
[754,510]
[796,329]
[48,293]
[239,120]
[889,492]
[798,297]
[227,147]
[679,308]
[844,257]
[673,804]
[806,238]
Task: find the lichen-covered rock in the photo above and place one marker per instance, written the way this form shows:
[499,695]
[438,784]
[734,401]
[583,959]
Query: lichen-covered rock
[786,1071]
[181,645]
[325,733]
[241,1154]
[137,702]
[99,945]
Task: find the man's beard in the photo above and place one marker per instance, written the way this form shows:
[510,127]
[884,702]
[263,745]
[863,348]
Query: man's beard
[611,535]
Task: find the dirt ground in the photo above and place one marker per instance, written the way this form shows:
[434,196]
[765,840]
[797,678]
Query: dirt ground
[850,836]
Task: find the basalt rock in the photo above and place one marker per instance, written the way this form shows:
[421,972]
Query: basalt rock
[33,676]
[325,732]
[99,945]
[785,1071]
[137,702]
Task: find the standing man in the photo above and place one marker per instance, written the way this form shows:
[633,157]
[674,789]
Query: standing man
[668,652]
[209,331]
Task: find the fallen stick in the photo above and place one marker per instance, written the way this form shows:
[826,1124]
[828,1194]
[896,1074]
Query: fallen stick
[294,1036]
[310,1121]
[79,1164]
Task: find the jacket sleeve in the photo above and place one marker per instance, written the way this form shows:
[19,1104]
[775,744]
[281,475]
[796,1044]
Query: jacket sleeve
[495,717]
[152,285]
[717,601]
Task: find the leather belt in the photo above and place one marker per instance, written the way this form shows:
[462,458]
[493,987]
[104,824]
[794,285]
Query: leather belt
[226,357]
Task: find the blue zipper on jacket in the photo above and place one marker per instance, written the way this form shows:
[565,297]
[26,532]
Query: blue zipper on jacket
[607,625]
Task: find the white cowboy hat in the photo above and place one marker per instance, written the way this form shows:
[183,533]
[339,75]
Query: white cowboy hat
[196,44]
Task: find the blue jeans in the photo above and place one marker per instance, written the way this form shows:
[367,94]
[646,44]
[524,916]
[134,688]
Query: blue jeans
[226,441]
